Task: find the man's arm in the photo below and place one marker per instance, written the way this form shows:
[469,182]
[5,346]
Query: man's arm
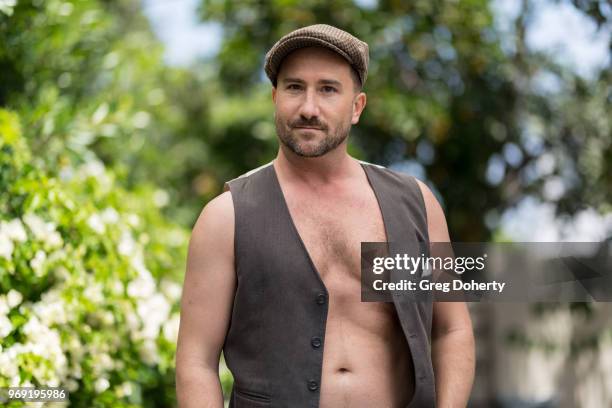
[452,334]
[206,305]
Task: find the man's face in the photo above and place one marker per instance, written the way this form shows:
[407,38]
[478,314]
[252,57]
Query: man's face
[316,103]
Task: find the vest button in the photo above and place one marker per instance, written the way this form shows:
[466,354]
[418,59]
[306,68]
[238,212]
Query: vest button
[313,385]
[321,298]
[316,342]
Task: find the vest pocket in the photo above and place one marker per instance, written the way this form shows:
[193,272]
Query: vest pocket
[250,399]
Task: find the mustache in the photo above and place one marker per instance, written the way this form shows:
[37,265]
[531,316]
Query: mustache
[314,124]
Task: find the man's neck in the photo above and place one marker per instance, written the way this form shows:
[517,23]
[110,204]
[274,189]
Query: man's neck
[330,168]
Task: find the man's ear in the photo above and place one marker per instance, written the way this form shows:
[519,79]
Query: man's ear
[274,94]
[358,106]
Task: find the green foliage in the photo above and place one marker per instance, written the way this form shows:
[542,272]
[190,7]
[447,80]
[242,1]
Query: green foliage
[89,263]
[81,306]
[88,80]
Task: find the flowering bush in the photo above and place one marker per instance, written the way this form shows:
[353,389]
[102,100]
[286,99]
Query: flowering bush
[81,306]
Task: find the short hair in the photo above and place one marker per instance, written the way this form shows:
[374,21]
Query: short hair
[357,86]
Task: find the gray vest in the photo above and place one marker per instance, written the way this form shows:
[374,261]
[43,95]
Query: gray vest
[274,345]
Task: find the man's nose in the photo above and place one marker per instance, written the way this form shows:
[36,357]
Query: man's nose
[310,104]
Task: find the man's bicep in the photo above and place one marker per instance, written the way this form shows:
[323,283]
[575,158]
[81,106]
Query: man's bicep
[209,286]
[447,316]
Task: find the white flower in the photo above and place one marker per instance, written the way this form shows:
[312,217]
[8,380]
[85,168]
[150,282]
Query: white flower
[126,245]
[101,385]
[171,328]
[52,382]
[76,371]
[58,255]
[141,119]
[8,365]
[103,362]
[6,6]
[75,348]
[144,285]
[161,198]
[13,298]
[94,293]
[93,168]
[38,261]
[175,238]
[148,352]
[108,130]
[117,287]
[51,312]
[5,326]
[54,239]
[66,173]
[107,317]
[137,262]
[6,245]
[96,223]
[14,229]
[37,225]
[110,215]
[125,389]
[71,385]
[33,328]
[46,343]
[171,290]
[43,231]
[133,324]
[62,272]
[141,287]
[100,114]
[133,220]
[153,312]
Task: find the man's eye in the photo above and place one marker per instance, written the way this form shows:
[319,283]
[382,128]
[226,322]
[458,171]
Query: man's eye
[328,89]
[293,86]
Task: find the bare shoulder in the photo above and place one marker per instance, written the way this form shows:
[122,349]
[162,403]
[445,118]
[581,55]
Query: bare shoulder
[436,221]
[215,224]
[217,211]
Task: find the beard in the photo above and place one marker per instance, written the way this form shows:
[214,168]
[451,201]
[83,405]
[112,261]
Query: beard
[332,139]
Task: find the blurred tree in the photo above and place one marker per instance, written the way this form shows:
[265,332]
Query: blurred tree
[87,80]
[444,100]
[88,268]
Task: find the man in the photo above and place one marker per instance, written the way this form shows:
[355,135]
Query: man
[273,272]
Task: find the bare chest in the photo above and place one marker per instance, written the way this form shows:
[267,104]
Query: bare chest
[332,229]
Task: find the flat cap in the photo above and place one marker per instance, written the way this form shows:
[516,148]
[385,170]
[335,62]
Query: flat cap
[348,46]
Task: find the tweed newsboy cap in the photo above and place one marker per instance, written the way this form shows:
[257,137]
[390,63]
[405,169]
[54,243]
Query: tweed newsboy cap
[348,46]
